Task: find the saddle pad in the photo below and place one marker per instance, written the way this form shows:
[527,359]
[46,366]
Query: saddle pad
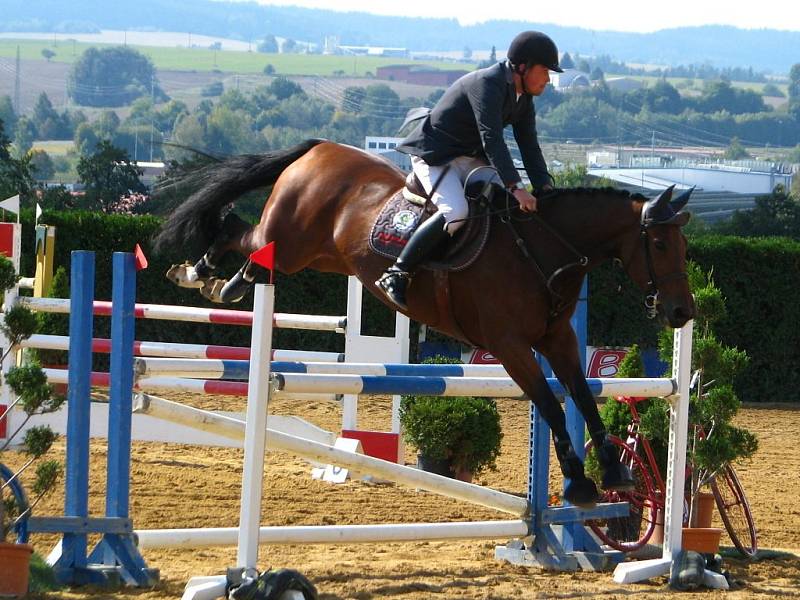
[403,213]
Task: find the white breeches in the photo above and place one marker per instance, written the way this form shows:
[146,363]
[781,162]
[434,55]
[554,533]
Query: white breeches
[449,195]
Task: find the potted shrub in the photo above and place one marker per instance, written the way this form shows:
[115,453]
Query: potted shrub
[714,441]
[455,436]
[33,395]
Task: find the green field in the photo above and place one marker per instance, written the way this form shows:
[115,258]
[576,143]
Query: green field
[697,84]
[197,59]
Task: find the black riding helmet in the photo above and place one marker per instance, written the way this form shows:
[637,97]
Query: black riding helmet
[534,48]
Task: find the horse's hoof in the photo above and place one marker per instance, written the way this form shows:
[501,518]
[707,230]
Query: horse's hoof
[212,289]
[582,493]
[184,276]
[618,477]
[235,289]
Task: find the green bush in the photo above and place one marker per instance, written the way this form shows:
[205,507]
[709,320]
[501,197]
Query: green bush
[463,430]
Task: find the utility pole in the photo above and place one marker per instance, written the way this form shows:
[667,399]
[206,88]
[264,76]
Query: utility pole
[17,107]
[653,146]
[152,111]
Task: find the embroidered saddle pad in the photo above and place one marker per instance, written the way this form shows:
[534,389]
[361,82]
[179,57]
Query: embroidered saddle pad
[405,211]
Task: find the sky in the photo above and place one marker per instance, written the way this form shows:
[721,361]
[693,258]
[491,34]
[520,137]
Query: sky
[613,15]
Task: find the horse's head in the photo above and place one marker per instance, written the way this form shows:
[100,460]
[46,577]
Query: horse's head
[658,263]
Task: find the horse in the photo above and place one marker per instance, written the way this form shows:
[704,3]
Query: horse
[324,201]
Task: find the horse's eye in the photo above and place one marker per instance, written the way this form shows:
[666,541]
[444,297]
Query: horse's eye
[660,245]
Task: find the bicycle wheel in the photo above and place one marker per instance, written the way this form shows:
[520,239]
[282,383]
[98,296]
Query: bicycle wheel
[735,511]
[17,501]
[631,532]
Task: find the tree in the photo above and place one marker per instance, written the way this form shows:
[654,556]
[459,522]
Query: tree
[112,77]
[283,88]
[774,214]
[24,136]
[15,175]
[7,114]
[735,151]
[48,54]
[794,82]
[794,92]
[597,74]
[466,53]
[773,91]
[108,175]
[288,46]
[353,99]
[566,62]
[269,45]
[41,165]
[48,123]
[269,69]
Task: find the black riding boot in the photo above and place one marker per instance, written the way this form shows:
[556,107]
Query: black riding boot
[616,476]
[394,282]
[581,491]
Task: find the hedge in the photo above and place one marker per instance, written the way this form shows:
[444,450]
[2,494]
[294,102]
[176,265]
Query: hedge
[759,278]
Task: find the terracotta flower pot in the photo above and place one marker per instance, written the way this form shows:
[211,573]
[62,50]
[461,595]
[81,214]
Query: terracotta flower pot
[701,539]
[705,509]
[15,562]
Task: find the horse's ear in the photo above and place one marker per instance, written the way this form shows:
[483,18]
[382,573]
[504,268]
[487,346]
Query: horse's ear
[658,209]
[679,201]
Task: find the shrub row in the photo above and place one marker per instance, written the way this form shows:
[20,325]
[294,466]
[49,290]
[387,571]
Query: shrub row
[758,277]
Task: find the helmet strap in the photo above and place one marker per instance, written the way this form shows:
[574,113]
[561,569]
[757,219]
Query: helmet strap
[522,70]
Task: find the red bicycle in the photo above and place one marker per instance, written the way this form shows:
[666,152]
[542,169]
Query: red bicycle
[647,499]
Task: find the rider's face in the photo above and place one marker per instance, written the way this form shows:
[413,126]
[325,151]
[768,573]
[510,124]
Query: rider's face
[536,79]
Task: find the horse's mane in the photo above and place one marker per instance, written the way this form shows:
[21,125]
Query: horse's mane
[551,198]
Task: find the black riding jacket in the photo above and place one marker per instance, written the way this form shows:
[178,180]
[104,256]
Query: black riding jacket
[469,119]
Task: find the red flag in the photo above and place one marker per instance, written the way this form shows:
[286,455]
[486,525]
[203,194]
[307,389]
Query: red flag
[265,257]
[141,259]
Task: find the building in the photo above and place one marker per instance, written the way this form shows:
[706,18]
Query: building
[570,80]
[385,147]
[370,51]
[419,75]
[720,189]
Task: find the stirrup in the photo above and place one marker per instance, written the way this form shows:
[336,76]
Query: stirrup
[394,283]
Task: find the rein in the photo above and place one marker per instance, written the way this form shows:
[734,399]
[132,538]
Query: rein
[507,216]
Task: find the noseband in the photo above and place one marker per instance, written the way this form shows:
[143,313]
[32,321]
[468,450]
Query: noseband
[651,300]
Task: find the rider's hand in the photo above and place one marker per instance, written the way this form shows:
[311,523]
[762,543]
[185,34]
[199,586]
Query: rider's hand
[527,201]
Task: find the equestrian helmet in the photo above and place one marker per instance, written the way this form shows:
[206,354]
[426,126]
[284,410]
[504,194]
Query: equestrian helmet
[534,48]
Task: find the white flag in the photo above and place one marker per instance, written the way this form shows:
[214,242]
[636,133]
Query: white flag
[38,214]
[11,204]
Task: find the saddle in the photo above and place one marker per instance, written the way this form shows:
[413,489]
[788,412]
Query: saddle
[409,207]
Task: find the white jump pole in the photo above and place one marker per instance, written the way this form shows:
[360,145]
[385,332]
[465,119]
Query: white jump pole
[335,534]
[632,572]
[315,451]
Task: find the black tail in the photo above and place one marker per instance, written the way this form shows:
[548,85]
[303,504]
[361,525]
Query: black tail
[197,220]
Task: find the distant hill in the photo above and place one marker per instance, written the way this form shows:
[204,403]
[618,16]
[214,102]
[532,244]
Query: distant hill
[720,46]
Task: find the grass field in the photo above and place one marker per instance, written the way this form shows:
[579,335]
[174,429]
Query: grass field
[199,59]
[697,84]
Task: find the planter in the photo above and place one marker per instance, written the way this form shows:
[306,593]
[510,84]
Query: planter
[15,562]
[704,540]
[443,467]
[705,509]
[439,466]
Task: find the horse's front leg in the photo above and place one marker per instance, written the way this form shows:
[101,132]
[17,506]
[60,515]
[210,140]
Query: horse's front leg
[560,348]
[518,360]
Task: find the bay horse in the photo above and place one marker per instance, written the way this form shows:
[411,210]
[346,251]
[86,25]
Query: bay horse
[324,201]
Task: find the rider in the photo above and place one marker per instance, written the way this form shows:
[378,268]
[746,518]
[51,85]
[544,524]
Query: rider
[465,131]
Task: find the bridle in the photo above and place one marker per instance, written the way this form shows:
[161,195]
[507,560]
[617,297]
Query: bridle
[651,300]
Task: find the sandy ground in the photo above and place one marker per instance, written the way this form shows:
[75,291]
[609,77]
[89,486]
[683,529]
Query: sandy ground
[184,486]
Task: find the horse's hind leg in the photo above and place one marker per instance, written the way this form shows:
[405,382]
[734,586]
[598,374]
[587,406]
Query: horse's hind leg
[518,360]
